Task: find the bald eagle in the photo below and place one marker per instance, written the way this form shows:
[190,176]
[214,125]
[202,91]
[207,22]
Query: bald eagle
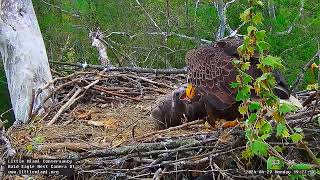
[210,73]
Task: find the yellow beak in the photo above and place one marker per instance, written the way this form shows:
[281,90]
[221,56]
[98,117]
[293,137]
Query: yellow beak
[189,93]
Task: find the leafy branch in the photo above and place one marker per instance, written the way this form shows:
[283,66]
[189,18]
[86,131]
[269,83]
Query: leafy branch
[257,128]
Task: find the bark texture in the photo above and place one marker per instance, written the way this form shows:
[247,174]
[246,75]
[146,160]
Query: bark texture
[24,57]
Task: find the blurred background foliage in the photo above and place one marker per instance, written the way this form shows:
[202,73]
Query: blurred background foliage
[134,40]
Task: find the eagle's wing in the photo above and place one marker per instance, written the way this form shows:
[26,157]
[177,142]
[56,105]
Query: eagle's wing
[210,69]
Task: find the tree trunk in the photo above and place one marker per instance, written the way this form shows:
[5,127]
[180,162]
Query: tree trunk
[271,9]
[24,57]
[222,15]
[222,18]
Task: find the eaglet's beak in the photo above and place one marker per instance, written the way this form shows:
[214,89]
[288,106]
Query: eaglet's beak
[189,93]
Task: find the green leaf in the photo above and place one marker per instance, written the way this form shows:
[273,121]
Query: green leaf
[243,93]
[250,50]
[261,35]
[274,163]
[257,19]
[285,133]
[260,148]
[236,61]
[264,76]
[319,120]
[252,118]
[254,106]
[246,41]
[247,78]
[262,46]
[266,128]
[313,86]
[264,137]
[29,148]
[296,176]
[296,137]
[301,166]
[272,61]
[234,84]
[240,50]
[250,29]
[245,66]
[260,3]
[282,131]
[278,148]
[247,154]
[245,16]
[286,108]
[243,109]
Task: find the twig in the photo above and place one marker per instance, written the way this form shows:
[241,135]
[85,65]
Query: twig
[77,147]
[306,148]
[141,147]
[150,81]
[317,92]
[301,9]
[309,99]
[156,175]
[301,75]
[184,162]
[5,112]
[171,129]
[102,49]
[62,10]
[180,35]
[149,16]
[100,88]
[70,102]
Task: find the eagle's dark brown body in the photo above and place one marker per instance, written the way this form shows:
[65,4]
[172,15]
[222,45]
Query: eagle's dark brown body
[211,71]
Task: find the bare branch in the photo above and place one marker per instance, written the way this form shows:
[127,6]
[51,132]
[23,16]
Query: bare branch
[289,30]
[96,42]
[149,16]
[62,10]
[298,46]
[301,75]
[271,9]
[223,24]
[235,32]
[229,3]
[161,34]
[178,35]
[126,69]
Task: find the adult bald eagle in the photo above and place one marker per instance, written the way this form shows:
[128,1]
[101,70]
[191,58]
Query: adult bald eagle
[210,72]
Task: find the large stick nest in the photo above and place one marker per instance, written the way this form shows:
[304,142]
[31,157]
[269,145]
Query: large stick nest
[102,120]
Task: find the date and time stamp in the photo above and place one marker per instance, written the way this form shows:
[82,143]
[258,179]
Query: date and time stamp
[66,167]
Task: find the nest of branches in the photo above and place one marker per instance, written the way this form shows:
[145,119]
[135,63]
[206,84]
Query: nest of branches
[102,120]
